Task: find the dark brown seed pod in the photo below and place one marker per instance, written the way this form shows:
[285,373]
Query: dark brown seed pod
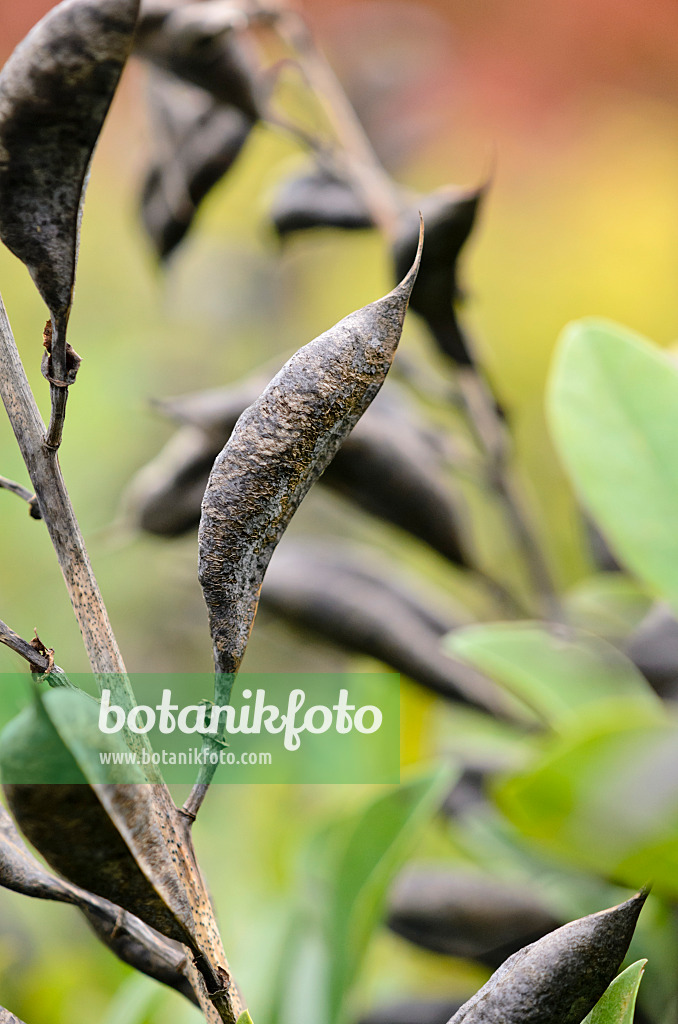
[55,91]
[200,51]
[196,141]
[8,1018]
[126,843]
[474,916]
[390,466]
[412,1011]
[318,199]
[653,648]
[280,446]
[559,978]
[129,938]
[358,604]
[449,216]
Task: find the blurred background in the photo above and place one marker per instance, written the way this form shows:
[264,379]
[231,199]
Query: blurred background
[571,107]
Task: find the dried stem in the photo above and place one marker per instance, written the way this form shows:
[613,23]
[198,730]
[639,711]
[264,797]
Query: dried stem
[24,493]
[35,656]
[43,468]
[491,436]
[58,397]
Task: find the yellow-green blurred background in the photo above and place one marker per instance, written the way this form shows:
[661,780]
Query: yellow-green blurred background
[574,108]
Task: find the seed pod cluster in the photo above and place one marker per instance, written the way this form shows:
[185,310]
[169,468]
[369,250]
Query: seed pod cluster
[279,447]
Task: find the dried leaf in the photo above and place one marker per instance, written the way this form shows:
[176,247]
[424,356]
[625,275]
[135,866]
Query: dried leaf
[559,978]
[449,216]
[124,842]
[318,199]
[473,916]
[55,91]
[280,446]
[129,938]
[199,50]
[362,606]
[391,466]
[196,141]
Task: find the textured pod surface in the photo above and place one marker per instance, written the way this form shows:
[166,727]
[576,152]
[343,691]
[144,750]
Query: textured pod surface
[55,91]
[449,216]
[196,141]
[129,938]
[460,914]
[279,447]
[8,1018]
[318,200]
[560,978]
[360,605]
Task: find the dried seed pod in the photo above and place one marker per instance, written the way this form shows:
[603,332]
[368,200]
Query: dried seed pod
[449,216]
[129,938]
[318,199]
[412,1011]
[559,978]
[390,466]
[200,51]
[653,648]
[124,842]
[474,916]
[361,606]
[196,142]
[55,91]
[8,1018]
[280,446]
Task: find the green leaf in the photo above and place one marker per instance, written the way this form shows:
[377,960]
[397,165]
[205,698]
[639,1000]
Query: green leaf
[134,1002]
[613,409]
[605,798]
[619,1002]
[376,844]
[558,672]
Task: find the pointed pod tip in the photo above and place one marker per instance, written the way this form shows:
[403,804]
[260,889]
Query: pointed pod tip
[404,288]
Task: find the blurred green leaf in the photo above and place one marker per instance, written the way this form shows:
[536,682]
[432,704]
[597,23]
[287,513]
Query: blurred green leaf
[605,797]
[557,671]
[617,1005]
[613,408]
[609,604]
[376,844]
[134,1001]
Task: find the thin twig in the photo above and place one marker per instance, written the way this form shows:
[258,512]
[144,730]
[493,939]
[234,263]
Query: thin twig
[24,493]
[36,654]
[491,436]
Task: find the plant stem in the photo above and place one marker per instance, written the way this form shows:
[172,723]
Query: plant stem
[43,468]
[223,688]
[491,437]
[38,661]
